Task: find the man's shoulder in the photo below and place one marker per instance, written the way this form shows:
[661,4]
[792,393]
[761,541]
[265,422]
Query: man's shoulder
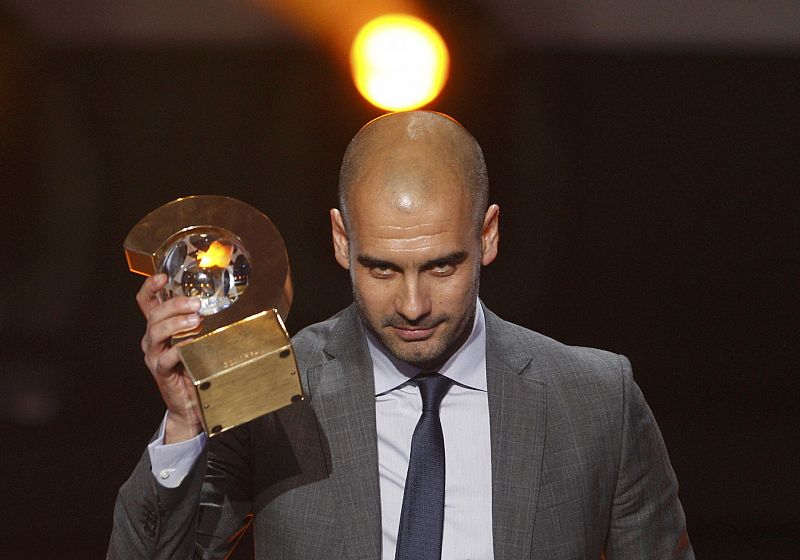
[309,343]
[551,360]
[316,332]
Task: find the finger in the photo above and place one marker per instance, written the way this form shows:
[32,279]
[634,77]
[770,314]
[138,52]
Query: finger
[159,333]
[147,296]
[174,307]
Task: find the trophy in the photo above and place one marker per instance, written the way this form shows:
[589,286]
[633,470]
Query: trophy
[231,257]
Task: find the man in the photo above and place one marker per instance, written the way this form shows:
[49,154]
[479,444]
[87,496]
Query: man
[529,448]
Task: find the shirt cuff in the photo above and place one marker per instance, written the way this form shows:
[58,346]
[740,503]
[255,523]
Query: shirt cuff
[170,463]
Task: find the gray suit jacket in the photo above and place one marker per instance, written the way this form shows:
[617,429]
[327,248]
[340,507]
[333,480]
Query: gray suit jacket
[579,468]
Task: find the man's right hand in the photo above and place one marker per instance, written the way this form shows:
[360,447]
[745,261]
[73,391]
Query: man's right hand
[165,319]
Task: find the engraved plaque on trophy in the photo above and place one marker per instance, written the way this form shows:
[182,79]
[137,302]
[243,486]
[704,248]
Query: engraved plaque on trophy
[231,257]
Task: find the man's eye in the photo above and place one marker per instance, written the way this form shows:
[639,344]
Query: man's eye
[443,270]
[381,272]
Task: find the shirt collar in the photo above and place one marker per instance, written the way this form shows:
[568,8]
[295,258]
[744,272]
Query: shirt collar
[467,366]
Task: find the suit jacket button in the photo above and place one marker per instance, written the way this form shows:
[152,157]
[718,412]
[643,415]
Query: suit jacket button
[149,520]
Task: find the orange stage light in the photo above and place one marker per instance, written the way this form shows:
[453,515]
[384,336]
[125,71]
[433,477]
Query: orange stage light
[399,62]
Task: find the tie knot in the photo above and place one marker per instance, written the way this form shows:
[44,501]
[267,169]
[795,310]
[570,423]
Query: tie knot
[433,387]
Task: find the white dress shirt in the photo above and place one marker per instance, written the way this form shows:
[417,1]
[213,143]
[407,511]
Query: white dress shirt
[464,414]
[171,463]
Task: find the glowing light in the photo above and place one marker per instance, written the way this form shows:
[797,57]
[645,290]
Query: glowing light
[399,62]
[218,254]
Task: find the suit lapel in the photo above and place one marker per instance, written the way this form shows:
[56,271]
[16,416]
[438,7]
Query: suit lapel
[517,419]
[343,393]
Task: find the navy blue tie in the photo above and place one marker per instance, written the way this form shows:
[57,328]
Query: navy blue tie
[422,516]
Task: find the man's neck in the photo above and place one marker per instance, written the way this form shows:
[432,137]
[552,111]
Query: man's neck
[467,365]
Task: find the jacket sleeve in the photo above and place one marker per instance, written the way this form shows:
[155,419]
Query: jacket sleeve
[647,519]
[201,518]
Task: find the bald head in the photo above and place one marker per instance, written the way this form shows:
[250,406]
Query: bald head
[412,160]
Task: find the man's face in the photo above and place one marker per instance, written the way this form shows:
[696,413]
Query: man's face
[415,267]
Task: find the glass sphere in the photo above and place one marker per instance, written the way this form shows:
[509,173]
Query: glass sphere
[208,263]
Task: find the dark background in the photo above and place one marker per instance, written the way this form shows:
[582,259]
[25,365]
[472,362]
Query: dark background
[649,206]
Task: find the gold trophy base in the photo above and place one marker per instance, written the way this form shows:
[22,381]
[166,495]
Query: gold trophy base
[242,371]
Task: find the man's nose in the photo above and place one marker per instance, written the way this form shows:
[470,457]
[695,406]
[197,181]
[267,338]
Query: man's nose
[413,302]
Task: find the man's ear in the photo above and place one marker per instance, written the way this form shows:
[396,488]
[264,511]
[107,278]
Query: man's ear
[490,234]
[341,245]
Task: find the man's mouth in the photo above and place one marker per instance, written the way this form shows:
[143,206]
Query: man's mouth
[412,334]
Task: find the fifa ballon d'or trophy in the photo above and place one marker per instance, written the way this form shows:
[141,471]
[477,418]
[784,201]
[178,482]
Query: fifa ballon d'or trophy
[231,257]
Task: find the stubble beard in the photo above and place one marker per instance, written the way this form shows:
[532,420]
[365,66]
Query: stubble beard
[431,358]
